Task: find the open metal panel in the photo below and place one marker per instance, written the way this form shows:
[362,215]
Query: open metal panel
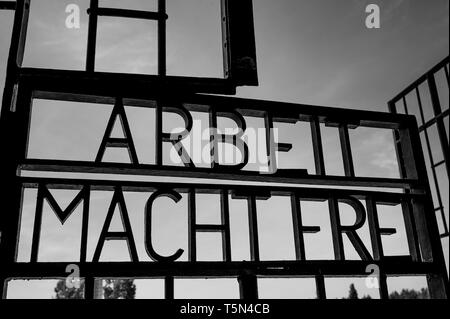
[440,111]
[238,39]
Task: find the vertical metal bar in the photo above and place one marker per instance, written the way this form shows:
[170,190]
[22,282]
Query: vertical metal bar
[225,36]
[317,147]
[159,133]
[248,287]
[15,124]
[239,42]
[192,240]
[3,287]
[411,231]
[419,103]
[439,121]
[162,39]
[225,216]
[92,36]
[382,285]
[169,290]
[213,142]
[436,286]
[320,287]
[270,143]
[253,228]
[89,287]
[346,150]
[85,223]
[374,226]
[405,105]
[398,150]
[296,221]
[338,246]
[37,224]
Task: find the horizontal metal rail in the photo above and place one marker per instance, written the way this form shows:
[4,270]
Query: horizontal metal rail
[281,176]
[7,5]
[123,13]
[201,269]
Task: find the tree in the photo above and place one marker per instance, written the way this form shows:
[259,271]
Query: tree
[119,289]
[404,294]
[62,292]
[352,293]
[113,289]
[410,294]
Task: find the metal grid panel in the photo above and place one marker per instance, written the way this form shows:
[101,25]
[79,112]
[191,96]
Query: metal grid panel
[440,111]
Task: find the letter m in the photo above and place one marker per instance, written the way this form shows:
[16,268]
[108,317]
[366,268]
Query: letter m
[62,214]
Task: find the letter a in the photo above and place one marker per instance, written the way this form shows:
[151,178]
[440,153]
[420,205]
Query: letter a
[373,19]
[73,19]
[126,142]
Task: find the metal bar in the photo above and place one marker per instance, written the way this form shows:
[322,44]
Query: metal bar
[280,176]
[85,224]
[89,287]
[382,286]
[447,75]
[92,36]
[239,42]
[141,186]
[438,163]
[7,5]
[13,124]
[440,123]
[162,38]
[139,86]
[69,84]
[37,225]
[296,222]
[15,57]
[317,147]
[411,231]
[248,287]
[397,142]
[213,139]
[320,287]
[192,240]
[217,269]
[335,220]
[253,228]
[346,151]
[405,105]
[225,217]
[374,229]
[125,13]
[299,228]
[169,287]
[158,134]
[270,142]
[419,103]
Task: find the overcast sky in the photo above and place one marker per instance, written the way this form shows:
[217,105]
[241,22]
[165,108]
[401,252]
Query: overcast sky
[315,52]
